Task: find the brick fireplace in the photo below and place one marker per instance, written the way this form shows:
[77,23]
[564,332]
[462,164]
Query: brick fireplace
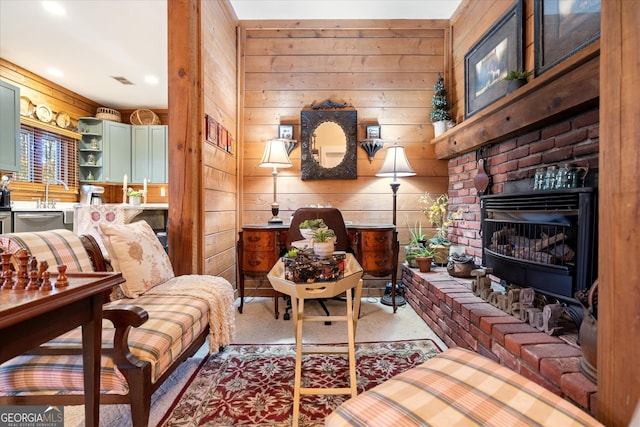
[447,304]
[513,162]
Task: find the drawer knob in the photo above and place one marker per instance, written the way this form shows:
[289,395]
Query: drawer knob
[381,238]
[253,239]
[381,262]
[253,262]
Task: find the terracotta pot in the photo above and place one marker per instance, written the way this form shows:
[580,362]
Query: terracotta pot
[424,264]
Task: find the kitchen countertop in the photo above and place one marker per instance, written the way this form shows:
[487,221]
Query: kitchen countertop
[23,206]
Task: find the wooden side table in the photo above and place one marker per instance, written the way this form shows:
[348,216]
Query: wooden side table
[299,292]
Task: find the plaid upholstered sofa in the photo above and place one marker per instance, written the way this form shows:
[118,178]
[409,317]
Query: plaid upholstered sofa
[152,322]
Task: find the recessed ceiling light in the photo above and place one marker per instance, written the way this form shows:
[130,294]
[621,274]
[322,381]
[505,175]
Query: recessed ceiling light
[152,80]
[54,7]
[55,72]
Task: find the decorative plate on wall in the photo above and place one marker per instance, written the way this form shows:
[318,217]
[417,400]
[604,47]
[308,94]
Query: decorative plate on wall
[63,120]
[43,113]
[26,107]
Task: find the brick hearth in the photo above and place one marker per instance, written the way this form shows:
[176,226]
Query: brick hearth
[462,319]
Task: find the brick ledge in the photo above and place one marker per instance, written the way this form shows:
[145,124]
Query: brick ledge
[462,319]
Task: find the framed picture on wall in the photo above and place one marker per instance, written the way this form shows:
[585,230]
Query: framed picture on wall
[563,27]
[285,131]
[487,63]
[211,127]
[373,131]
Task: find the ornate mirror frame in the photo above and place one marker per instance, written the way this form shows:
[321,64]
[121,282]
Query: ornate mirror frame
[344,116]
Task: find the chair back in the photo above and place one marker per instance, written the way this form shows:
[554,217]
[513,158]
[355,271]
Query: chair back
[332,218]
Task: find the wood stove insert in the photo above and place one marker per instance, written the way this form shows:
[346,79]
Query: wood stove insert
[546,240]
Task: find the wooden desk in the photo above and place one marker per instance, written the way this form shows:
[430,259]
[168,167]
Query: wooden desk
[260,246]
[30,318]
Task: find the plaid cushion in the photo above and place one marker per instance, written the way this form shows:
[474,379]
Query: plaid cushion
[459,387]
[54,246]
[174,322]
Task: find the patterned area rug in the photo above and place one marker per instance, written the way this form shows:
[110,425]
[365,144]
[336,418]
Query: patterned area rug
[252,385]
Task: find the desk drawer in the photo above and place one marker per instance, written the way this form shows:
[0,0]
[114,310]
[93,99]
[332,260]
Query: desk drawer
[377,262]
[259,240]
[258,261]
[377,240]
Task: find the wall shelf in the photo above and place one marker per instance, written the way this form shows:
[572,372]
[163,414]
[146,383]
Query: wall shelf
[569,87]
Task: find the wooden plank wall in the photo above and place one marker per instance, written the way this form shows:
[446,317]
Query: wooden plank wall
[385,69]
[219,181]
[618,286]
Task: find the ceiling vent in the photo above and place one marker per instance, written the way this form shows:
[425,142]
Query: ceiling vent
[122,80]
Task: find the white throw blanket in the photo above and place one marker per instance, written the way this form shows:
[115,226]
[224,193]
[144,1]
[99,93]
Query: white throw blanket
[217,292]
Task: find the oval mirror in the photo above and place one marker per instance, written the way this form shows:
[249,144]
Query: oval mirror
[328,141]
[328,144]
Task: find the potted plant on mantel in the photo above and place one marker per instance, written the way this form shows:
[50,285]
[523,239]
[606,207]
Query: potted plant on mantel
[517,79]
[440,116]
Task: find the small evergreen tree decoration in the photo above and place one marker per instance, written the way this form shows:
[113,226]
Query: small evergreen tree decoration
[439,102]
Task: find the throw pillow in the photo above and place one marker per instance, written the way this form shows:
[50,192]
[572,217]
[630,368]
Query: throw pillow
[138,255]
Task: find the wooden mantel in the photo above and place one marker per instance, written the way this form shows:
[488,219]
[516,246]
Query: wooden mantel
[569,87]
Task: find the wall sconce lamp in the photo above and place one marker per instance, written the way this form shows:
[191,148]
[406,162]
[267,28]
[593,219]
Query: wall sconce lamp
[285,133]
[371,146]
[395,166]
[276,156]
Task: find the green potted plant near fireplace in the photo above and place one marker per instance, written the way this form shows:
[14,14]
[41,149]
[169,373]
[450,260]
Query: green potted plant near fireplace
[417,242]
[424,258]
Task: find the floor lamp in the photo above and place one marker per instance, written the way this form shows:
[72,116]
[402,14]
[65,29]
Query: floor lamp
[396,165]
[275,156]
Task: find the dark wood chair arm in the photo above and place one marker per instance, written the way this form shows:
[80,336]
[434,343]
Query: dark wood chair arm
[94,252]
[123,317]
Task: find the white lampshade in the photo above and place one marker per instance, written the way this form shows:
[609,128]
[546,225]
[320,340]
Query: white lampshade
[275,155]
[396,164]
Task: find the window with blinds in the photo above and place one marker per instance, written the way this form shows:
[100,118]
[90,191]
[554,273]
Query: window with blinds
[46,156]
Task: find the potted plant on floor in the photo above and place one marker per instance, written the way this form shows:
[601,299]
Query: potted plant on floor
[517,79]
[440,116]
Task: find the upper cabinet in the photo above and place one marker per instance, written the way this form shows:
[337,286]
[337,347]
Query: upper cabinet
[149,153]
[117,151]
[9,127]
[104,152]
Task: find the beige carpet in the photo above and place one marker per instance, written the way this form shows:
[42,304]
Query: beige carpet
[257,325]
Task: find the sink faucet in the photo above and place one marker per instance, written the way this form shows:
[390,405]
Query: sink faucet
[46,190]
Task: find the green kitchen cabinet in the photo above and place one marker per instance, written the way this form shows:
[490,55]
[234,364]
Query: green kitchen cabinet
[104,151]
[149,154]
[9,127]
[116,155]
